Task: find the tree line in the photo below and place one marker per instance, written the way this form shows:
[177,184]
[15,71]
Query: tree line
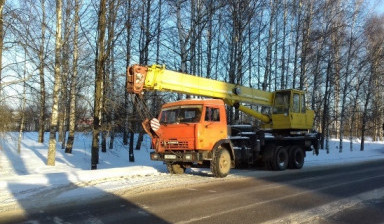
[64,61]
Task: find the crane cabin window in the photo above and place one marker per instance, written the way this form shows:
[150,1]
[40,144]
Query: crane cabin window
[212,114]
[281,105]
[303,107]
[296,103]
[181,114]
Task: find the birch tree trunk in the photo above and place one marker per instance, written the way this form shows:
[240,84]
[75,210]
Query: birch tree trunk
[325,121]
[144,53]
[365,112]
[259,49]
[305,45]
[209,38]
[297,40]
[155,102]
[22,122]
[107,127]
[64,103]
[56,88]
[159,30]
[111,67]
[336,45]
[183,41]
[268,60]
[354,109]
[72,107]
[41,75]
[2,2]
[128,25]
[283,53]
[99,65]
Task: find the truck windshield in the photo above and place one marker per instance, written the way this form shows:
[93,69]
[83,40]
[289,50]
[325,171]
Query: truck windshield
[181,114]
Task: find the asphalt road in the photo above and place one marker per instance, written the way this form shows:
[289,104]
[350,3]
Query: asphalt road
[335,194]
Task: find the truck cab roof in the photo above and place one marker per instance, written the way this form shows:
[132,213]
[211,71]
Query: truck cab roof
[217,102]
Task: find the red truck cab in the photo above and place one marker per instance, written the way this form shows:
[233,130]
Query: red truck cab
[191,125]
[190,131]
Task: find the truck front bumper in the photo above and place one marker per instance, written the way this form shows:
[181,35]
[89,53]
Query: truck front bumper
[175,156]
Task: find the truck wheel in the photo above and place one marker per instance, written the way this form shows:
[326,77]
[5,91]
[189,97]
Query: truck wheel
[175,168]
[221,162]
[296,158]
[268,156]
[281,158]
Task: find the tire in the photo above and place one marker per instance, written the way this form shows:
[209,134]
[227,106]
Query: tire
[296,158]
[280,158]
[221,162]
[175,168]
[268,156]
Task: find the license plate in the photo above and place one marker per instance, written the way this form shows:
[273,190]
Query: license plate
[169,156]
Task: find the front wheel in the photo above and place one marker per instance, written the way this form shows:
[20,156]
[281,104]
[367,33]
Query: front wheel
[221,162]
[175,168]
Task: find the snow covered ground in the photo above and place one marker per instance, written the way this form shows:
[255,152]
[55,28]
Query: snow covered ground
[26,182]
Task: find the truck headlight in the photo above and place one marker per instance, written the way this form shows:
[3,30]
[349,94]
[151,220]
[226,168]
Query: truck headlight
[155,156]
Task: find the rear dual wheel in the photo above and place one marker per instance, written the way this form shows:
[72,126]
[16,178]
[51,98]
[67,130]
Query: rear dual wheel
[296,157]
[276,157]
[281,158]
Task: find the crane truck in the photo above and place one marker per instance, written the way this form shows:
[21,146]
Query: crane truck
[194,132]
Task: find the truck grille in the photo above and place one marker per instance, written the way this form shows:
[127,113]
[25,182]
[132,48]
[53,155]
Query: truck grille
[176,144]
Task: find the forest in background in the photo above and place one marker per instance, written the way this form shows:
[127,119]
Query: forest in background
[63,62]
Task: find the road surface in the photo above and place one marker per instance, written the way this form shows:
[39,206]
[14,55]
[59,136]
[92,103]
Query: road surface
[335,194]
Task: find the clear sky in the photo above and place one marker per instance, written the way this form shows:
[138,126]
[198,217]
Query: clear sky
[378,6]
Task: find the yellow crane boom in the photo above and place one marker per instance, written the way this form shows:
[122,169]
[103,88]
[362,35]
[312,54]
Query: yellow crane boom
[156,77]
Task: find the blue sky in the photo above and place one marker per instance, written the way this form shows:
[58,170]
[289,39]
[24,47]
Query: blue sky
[378,6]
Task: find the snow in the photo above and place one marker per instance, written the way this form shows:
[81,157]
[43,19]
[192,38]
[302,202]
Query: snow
[26,182]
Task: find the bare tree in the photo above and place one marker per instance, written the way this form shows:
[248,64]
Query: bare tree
[184,36]
[283,79]
[348,77]
[306,32]
[56,88]
[241,16]
[64,102]
[2,2]
[128,28]
[24,100]
[337,34]
[298,13]
[72,108]
[145,40]
[375,47]
[113,8]
[41,75]
[268,58]
[99,65]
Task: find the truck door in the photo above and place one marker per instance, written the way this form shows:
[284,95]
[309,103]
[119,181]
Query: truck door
[213,129]
[298,115]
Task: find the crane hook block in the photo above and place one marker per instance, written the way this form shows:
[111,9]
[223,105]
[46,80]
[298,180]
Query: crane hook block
[135,78]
